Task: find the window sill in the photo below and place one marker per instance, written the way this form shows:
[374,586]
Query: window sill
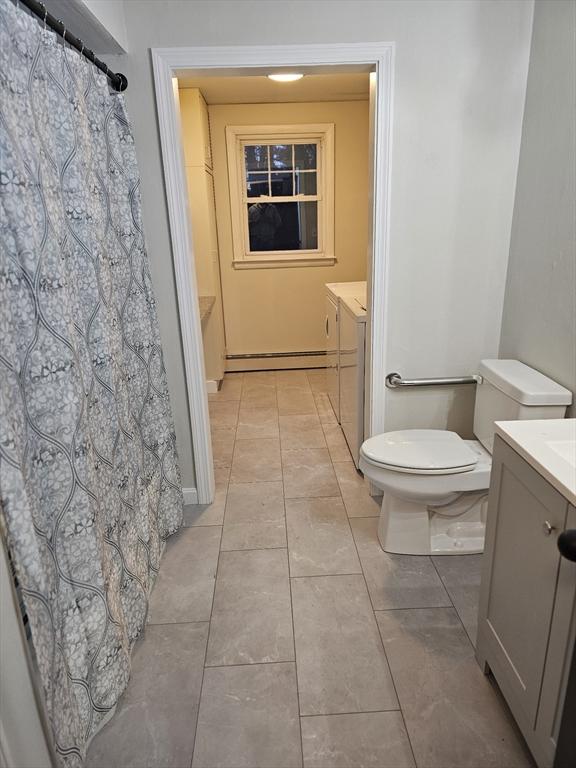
[280,263]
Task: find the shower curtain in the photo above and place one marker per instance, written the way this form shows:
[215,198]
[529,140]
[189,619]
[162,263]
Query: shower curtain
[89,480]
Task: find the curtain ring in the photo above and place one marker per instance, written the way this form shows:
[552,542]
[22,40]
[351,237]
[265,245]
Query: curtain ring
[64,34]
[82,48]
[45,15]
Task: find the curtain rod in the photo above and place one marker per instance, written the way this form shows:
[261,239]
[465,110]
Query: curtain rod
[117,80]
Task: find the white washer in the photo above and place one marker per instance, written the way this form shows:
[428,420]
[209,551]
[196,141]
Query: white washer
[352,360]
[335,293]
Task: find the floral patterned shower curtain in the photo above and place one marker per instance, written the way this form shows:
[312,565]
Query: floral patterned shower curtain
[89,480]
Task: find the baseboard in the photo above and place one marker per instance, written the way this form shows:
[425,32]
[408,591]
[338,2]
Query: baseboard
[212,386]
[190,495]
[276,363]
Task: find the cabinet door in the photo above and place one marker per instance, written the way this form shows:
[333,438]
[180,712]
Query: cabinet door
[332,355]
[559,657]
[519,582]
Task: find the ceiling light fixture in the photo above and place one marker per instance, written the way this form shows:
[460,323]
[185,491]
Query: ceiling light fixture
[286,77]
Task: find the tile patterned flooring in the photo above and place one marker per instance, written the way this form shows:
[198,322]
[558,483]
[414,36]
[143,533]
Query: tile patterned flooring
[280,635]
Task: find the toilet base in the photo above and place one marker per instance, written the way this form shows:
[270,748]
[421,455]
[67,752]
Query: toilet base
[412,528]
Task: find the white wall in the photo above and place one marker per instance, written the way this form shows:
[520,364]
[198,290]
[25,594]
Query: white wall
[101,24]
[539,321]
[459,92]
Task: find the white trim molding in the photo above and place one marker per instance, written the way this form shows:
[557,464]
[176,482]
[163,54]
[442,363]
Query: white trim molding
[191,496]
[170,63]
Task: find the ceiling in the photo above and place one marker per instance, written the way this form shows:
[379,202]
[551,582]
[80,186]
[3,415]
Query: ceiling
[260,90]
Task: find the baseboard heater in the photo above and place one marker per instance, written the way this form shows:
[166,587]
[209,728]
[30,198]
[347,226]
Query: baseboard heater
[255,356]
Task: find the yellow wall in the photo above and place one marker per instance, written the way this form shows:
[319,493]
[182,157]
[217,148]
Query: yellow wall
[282,309]
[198,162]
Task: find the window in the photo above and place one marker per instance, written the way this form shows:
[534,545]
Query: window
[281,194]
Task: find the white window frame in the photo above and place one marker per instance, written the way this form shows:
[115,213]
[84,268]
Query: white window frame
[237,137]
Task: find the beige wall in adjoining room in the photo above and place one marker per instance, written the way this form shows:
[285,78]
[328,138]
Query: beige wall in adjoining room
[282,309]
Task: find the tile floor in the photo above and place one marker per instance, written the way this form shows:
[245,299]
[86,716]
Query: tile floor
[280,634]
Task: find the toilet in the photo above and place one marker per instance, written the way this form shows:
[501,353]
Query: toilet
[435,484]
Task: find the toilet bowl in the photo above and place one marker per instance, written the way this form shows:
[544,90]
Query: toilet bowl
[432,504]
[435,484]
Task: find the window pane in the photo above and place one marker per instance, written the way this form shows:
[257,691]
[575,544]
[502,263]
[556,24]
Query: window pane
[257,184]
[283,226]
[305,156]
[282,184]
[256,157]
[306,183]
[281,156]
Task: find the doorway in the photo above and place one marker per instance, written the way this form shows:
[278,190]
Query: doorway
[171,64]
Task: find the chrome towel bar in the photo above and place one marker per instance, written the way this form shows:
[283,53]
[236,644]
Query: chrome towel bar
[394,380]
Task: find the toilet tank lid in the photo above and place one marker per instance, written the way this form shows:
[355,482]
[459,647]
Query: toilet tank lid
[524,384]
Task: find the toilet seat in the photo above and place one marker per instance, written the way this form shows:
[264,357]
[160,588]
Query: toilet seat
[420,451]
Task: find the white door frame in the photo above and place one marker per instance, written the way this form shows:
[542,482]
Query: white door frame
[171,62]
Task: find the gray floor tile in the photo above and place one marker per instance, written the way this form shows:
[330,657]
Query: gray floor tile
[254,517]
[210,514]
[256,461]
[337,445]
[370,740]
[256,378]
[319,538]
[355,491]
[206,514]
[461,576]
[318,380]
[324,408]
[341,663]
[396,581]
[231,388]
[223,446]
[455,719]
[259,393]
[294,400]
[223,414]
[185,583]
[296,378]
[249,718]
[308,473]
[251,619]
[154,723]
[257,423]
[301,431]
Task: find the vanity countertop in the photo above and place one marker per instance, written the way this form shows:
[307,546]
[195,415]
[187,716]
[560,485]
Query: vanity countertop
[548,445]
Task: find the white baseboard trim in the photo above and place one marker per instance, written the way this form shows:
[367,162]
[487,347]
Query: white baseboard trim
[190,495]
[276,363]
[212,386]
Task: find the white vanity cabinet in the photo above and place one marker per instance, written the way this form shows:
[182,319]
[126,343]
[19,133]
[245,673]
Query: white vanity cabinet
[527,616]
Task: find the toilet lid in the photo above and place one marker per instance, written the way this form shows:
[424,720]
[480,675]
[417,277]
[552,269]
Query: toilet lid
[420,450]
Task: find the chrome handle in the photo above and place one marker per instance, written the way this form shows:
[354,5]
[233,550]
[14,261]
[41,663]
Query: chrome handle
[394,380]
[548,528]
[326,325]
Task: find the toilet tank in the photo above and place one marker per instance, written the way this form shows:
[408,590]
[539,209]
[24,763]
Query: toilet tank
[513,391]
